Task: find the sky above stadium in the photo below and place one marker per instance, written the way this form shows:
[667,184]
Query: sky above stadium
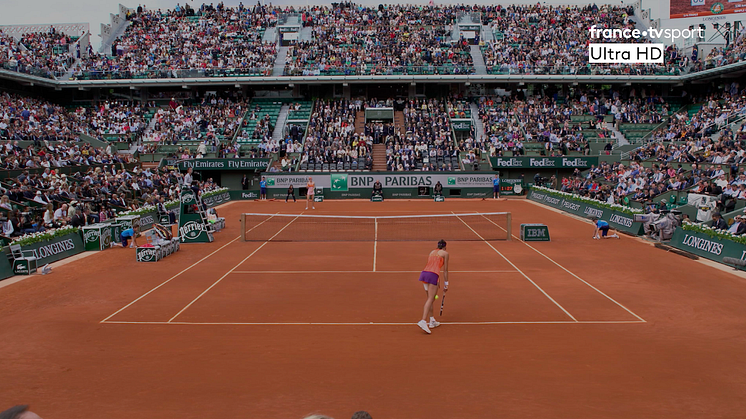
[96,12]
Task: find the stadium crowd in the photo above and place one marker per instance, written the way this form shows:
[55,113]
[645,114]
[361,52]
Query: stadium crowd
[210,121]
[95,188]
[24,118]
[211,40]
[392,39]
[511,124]
[427,142]
[690,138]
[45,54]
[540,39]
[705,140]
[331,138]
[346,38]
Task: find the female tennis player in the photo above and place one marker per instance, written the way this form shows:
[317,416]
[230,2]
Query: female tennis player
[311,185]
[437,260]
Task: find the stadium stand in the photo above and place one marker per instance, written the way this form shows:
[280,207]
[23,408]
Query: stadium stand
[41,54]
[213,41]
[427,143]
[331,142]
[35,120]
[710,132]
[350,39]
[204,129]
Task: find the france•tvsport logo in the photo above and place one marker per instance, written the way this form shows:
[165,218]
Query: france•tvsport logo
[621,51]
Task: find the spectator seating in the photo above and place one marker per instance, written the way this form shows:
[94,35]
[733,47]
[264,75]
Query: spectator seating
[44,54]
[332,142]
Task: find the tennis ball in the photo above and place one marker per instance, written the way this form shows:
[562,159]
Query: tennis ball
[436,296]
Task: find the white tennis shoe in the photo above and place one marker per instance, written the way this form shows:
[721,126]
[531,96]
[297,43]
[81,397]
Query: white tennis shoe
[433,324]
[423,326]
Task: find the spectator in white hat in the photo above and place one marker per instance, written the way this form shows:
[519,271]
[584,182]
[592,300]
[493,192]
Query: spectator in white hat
[38,198]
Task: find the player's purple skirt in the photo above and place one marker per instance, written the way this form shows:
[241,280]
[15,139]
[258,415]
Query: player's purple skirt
[429,277]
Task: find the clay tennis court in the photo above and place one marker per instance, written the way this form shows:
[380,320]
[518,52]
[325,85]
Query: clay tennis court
[279,329]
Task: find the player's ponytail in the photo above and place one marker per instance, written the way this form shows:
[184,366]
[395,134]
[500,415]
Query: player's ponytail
[441,244]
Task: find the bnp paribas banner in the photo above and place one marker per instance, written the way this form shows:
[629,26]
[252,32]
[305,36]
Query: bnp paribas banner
[543,162]
[342,182]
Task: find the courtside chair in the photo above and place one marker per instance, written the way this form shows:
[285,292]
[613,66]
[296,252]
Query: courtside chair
[24,262]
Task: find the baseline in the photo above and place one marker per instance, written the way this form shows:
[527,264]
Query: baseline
[364,272]
[410,324]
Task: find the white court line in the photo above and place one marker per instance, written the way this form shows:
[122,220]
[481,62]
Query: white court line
[234,268]
[175,276]
[375,245]
[516,268]
[169,280]
[568,271]
[362,272]
[373,323]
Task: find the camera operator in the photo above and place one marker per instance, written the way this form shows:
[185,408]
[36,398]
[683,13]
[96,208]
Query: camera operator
[30,222]
[538,180]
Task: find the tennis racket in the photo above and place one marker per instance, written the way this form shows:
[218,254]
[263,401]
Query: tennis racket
[442,301]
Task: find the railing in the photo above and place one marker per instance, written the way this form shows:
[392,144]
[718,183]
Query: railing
[261,75]
[582,71]
[371,70]
[474,17]
[34,71]
[645,140]
[305,133]
[286,17]
[171,73]
[731,118]
[734,117]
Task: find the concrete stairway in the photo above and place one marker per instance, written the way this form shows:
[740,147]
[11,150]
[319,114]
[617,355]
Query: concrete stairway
[106,45]
[306,34]
[279,132]
[379,157]
[279,67]
[478,124]
[399,122]
[478,58]
[360,122]
[620,138]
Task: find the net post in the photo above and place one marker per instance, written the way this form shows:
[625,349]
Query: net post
[243,227]
[509,227]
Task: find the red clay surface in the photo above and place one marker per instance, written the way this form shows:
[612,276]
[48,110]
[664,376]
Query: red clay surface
[515,350]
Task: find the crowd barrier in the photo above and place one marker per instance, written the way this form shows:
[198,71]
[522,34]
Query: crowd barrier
[710,244]
[618,217]
[97,237]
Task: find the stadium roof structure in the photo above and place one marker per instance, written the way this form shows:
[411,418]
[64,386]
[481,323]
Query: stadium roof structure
[734,70]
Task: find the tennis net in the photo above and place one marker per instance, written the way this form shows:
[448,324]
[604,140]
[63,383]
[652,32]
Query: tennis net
[307,227]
